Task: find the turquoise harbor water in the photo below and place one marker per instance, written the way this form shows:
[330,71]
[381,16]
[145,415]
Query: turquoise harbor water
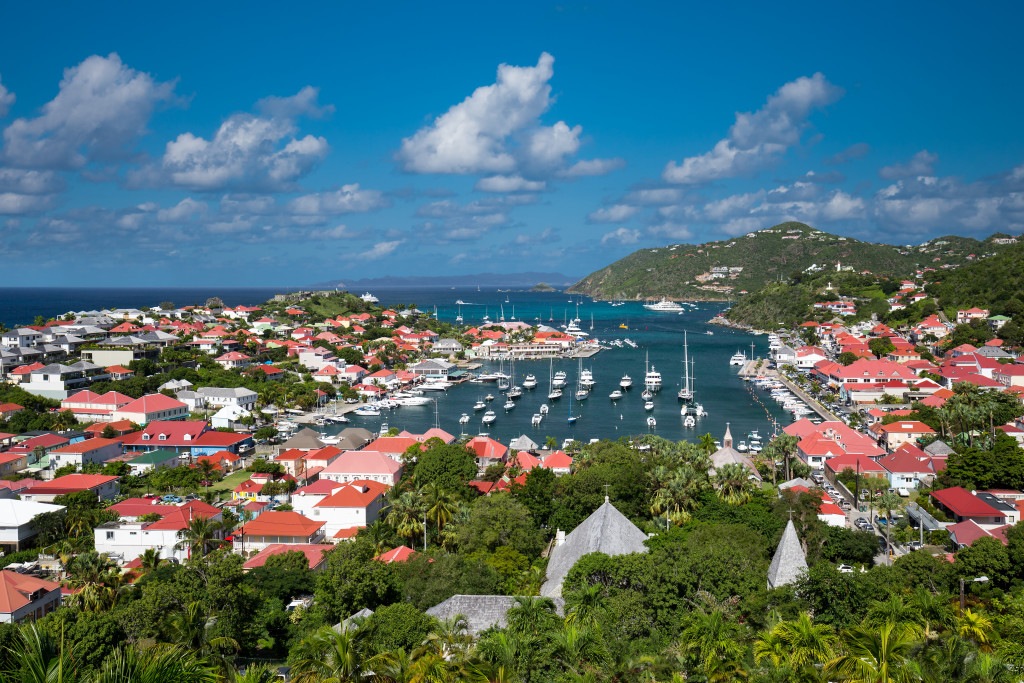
[659,337]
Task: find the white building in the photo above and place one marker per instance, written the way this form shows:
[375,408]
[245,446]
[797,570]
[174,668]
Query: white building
[16,521]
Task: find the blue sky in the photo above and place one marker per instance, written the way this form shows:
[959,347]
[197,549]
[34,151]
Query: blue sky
[257,143]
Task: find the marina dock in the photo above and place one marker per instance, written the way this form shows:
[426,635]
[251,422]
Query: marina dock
[750,371]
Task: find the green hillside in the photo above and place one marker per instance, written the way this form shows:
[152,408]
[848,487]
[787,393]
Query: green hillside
[995,283]
[685,271]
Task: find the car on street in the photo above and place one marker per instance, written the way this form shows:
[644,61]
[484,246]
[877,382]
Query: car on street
[845,569]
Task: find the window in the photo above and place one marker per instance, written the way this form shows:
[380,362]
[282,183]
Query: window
[110,535]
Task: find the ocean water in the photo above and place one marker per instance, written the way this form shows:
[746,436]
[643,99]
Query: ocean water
[659,339]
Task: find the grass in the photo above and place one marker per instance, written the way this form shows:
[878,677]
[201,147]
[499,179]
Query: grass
[229,483]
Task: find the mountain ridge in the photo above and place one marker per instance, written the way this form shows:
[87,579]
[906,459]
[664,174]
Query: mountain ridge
[525,279]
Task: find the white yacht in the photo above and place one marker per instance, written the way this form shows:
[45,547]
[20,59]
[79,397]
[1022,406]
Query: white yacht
[413,401]
[529,382]
[742,447]
[626,382]
[664,306]
[366,411]
[559,381]
[651,422]
[509,405]
[489,417]
[689,421]
[536,419]
[479,405]
[435,385]
[573,328]
[738,358]
[615,395]
[581,394]
[652,380]
[686,390]
[544,408]
[370,298]
[464,419]
[587,378]
[649,406]
[554,394]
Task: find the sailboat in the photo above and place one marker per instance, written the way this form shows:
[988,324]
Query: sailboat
[502,318]
[572,418]
[686,391]
[581,389]
[554,393]
[458,318]
[591,322]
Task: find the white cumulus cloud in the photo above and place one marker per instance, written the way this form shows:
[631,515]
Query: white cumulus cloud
[6,100]
[921,164]
[757,138]
[505,183]
[348,199]
[380,250]
[613,214]
[622,235]
[102,107]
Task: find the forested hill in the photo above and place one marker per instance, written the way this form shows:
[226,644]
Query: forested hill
[995,283]
[685,271]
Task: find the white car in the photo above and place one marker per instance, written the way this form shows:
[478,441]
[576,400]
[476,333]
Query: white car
[845,569]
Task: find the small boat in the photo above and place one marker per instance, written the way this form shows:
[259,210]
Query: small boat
[367,411]
[509,405]
[581,394]
[544,408]
[623,326]
[515,391]
[413,401]
[489,417]
[647,395]
[742,447]
[626,382]
[554,394]
[689,421]
[489,397]
[651,422]
[529,382]
[615,395]
[464,419]
[479,405]
[536,419]
[709,333]
[649,405]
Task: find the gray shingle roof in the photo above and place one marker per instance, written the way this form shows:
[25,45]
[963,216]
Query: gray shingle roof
[305,440]
[727,455]
[482,611]
[938,448]
[523,443]
[606,531]
[789,561]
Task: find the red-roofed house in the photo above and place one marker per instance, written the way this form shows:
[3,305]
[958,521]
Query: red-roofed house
[965,533]
[152,407]
[9,410]
[87,406]
[278,526]
[964,316]
[1009,375]
[488,451]
[559,463]
[24,597]
[105,487]
[314,554]
[365,464]
[907,467]
[129,537]
[118,373]
[855,462]
[355,504]
[962,505]
[399,554]
[898,433]
[226,461]
[85,452]
[233,360]
[192,436]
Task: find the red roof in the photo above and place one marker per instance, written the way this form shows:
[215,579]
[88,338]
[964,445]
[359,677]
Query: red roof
[558,460]
[16,590]
[962,503]
[281,523]
[71,483]
[85,446]
[314,553]
[399,554]
[152,403]
[355,494]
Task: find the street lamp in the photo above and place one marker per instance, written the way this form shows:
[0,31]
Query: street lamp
[980,579]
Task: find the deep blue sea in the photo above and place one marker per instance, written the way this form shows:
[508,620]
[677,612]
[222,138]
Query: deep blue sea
[659,339]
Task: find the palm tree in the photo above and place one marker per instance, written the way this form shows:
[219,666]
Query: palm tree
[199,535]
[975,628]
[805,644]
[935,610]
[706,442]
[575,645]
[328,655]
[987,668]
[449,639]
[440,505]
[150,559]
[887,504]
[156,665]
[37,658]
[709,643]
[192,629]
[733,483]
[405,515]
[531,615]
[586,601]
[877,655]
[257,673]
[893,611]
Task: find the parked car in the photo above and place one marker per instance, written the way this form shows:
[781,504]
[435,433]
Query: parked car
[860,522]
[845,569]
[915,545]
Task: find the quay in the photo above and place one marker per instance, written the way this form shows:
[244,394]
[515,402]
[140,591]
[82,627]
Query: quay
[750,370]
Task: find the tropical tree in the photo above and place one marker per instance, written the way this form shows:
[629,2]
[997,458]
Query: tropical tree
[799,644]
[193,629]
[329,655]
[200,535]
[405,515]
[709,645]
[733,483]
[131,664]
[877,655]
[440,505]
[38,658]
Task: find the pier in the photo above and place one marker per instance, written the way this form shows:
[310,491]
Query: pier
[750,371]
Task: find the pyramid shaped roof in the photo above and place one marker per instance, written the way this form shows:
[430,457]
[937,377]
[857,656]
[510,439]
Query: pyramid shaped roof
[605,531]
[789,561]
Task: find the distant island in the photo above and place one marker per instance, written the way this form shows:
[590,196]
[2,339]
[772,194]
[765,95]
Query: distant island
[542,287]
[510,280]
